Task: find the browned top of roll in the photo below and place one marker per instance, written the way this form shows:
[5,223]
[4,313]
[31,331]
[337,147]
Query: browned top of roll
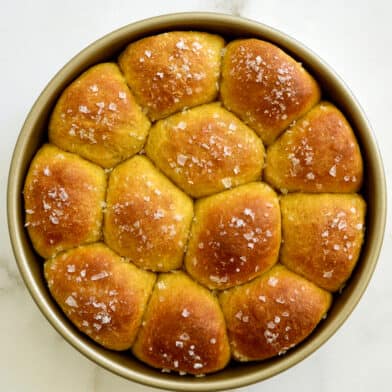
[103,295]
[64,196]
[317,154]
[183,328]
[272,314]
[97,117]
[235,236]
[205,150]
[265,87]
[322,236]
[171,71]
[147,218]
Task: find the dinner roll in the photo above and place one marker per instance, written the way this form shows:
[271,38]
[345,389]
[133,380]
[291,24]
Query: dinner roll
[101,293]
[235,236]
[97,117]
[63,197]
[147,218]
[265,87]
[183,328]
[205,150]
[272,314]
[319,153]
[171,71]
[322,236]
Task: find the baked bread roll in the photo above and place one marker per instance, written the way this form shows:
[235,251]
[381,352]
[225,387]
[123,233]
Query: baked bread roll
[205,150]
[147,218]
[319,153]
[101,293]
[97,117]
[322,236]
[63,197]
[272,314]
[171,71]
[183,328]
[265,87]
[235,236]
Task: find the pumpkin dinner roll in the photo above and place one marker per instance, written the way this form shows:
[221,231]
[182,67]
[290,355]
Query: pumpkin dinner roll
[147,218]
[101,293]
[183,328]
[235,236]
[205,150]
[63,196]
[265,87]
[322,236]
[174,70]
[97,117]
[319,153]
[272,314]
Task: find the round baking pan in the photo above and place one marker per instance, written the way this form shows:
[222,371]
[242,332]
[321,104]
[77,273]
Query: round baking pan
[34,132]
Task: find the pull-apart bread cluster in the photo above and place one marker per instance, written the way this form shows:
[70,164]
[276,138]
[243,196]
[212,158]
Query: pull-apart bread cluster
[196,202]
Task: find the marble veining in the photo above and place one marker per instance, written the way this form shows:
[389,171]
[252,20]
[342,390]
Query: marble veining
[9,279]
[234,7]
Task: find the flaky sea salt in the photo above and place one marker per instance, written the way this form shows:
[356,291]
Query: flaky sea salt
[185,313]
[226,182]
[159,214]
[325,233]
[181,159]
[181,44]
[70,301]
[100,275]
[249,212]
[112,106]
[272,281]
[310,176]
[332,171]
[197,365]
[83,109]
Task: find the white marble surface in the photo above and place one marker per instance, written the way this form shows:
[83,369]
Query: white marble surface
[38,37]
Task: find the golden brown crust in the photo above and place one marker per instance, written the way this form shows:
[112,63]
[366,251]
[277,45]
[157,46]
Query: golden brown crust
[147,218]
[183,328]
[235,236]
[322,236]
[97,117]
[171,71]
[272,314]
[63,197]
[205,150]
[265,87]
[317,154]
[101,293]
